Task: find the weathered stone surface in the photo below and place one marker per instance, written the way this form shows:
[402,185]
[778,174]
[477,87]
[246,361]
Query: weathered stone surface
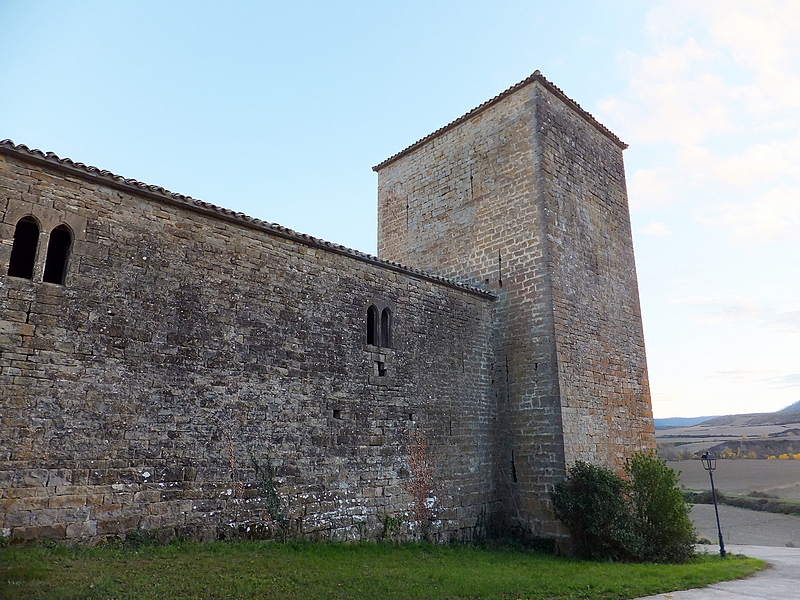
[183,347]
[527,197]
[196,362]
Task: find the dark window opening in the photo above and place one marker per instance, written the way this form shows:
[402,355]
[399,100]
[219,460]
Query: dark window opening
[55,266]
[513,468]
[337,414]
[372,326]
[381,367]
[386,328]
[23,252]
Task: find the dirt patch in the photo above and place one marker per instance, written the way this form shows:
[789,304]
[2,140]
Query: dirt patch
[749,527]
[779,478]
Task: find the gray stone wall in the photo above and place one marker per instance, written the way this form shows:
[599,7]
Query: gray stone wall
[191,348]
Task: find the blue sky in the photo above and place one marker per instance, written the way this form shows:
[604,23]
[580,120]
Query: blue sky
[280,110]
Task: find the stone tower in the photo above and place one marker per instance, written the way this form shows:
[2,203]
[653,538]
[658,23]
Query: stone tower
[526,196]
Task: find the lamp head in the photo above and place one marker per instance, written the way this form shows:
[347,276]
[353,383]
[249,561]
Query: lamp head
[709,461]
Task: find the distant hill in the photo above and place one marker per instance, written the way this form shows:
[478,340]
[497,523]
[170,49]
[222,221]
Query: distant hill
[757,435]
[679,421]
[780,417]
[756,418]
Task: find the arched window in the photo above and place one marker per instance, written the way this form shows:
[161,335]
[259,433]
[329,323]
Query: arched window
[55,266]
[386,328]
[372,326]
[23,252]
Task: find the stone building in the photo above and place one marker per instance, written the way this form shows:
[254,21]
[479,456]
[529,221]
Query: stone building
[170,365]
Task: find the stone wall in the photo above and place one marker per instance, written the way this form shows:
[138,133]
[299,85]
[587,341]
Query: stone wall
[191,348]
[203,373]
[526,195]
[602,368]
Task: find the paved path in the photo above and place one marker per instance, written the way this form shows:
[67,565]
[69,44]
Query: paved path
[767,536]
[781,582]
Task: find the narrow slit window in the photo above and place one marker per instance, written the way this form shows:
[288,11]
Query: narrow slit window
[372,326]
[23,252]
[55,266]
[386,328]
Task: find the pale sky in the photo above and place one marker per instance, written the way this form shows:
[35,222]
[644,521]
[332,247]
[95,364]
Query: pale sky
[280,110]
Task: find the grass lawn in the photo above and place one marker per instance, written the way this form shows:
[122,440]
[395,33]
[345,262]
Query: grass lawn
[266,570]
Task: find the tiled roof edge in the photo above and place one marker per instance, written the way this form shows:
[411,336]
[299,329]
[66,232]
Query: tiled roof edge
[163,195]
[535,76]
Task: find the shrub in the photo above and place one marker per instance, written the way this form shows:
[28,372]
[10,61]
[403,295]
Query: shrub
[592,503]
[643,519]
[661,513]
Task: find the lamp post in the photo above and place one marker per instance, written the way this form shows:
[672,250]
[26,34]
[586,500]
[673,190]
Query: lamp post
[709,464]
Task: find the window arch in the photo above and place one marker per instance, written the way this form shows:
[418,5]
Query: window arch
[386,328]
[372,325]
[23,252]
[55,266]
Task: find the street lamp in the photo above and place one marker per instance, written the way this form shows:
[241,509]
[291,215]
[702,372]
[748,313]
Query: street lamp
[709,464]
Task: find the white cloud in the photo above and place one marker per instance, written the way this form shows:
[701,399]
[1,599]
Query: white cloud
[724,309]
[792,380]
[674,97]
[775,216]
[757,165]
[656,229]
[762,37]
[718,66]
[712,112]
[786,321]
[719,94]
[652,188]
[745,376]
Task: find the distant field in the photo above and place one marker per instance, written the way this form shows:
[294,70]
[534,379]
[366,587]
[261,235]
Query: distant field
[778,477]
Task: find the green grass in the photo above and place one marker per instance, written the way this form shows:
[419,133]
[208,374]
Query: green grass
[265,570]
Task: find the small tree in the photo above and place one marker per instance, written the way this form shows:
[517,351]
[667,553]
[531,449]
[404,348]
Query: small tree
[592,503]
[662,516]
[642,519]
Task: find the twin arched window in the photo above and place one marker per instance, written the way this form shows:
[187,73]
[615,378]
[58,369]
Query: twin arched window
[26,243]
[379,327]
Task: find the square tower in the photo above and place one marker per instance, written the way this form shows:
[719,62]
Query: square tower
[526,196]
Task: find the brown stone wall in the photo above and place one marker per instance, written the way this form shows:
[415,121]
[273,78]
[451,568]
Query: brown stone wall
[465,204]
[188,343]
[488,199]
[606,410]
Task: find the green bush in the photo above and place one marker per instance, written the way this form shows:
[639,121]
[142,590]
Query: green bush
[644,518]
[593,504]
[661,513]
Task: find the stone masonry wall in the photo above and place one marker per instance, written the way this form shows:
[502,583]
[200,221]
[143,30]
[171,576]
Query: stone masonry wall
[190,348]
[606,409]
[486,199]
[465,203]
